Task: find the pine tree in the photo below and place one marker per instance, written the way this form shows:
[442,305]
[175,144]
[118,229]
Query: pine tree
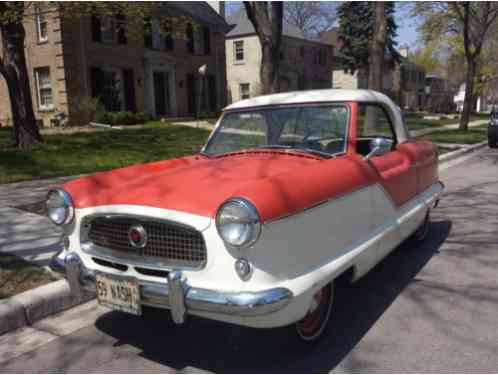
[356,28]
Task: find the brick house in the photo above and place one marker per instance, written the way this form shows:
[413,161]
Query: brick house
[149,71]
[305,63]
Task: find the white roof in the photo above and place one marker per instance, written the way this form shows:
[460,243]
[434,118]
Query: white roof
[327,95]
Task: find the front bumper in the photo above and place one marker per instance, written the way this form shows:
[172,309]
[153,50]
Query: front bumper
[175,293]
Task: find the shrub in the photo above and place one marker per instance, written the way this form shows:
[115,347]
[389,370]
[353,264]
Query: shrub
[124,118]
[84,109]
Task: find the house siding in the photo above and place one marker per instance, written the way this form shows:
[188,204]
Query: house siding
[71,53]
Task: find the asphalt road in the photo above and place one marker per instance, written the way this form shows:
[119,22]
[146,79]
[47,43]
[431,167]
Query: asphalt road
[432,308]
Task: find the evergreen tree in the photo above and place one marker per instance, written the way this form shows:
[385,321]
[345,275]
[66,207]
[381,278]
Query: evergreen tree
[356,28]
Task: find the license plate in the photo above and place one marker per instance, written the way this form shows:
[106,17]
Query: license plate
[118,293]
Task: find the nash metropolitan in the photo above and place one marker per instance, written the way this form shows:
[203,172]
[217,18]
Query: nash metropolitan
[290,192]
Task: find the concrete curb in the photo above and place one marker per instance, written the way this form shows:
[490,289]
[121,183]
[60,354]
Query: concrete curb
[27,308]
[463,151]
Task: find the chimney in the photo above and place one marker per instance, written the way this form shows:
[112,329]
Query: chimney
[218,6]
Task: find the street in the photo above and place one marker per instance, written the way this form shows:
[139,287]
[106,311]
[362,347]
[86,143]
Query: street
[431,308]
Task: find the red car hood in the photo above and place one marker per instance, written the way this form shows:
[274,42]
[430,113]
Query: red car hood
[195,184]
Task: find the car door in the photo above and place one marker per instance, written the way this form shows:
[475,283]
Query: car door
[396,175]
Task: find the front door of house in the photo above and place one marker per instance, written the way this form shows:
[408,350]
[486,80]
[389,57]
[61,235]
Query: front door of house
[161,93]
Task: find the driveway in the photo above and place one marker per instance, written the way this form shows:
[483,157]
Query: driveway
[431,308]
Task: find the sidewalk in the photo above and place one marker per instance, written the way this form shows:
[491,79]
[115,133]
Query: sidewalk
[420,132]
[29,236]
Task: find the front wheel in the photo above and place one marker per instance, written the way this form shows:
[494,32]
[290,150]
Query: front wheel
[311,327]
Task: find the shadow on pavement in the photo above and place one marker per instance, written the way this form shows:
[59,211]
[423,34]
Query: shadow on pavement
[222,348]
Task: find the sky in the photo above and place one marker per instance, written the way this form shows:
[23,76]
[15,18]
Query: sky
[407,29]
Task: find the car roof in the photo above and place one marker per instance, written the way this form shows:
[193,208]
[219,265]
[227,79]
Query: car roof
[327,96]
[311,96]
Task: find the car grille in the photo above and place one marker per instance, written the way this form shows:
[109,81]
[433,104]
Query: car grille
[170,243]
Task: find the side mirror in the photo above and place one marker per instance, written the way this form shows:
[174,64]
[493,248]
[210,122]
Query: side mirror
[378,147]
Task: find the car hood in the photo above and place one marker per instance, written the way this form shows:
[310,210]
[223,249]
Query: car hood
[195,184]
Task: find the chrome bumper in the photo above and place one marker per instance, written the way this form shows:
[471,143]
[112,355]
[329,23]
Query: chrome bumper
[176,295]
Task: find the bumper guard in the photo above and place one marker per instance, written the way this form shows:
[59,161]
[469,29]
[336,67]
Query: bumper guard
[175,293]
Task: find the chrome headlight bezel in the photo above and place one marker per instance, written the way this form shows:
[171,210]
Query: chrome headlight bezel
[251,222]
[67,205]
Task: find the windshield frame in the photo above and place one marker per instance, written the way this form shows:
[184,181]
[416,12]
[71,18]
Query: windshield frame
[345,105]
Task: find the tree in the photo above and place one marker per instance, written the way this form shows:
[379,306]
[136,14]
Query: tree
[356,32]
[311,17]
[13,69]
[469,20]
[378,47]
[267,22]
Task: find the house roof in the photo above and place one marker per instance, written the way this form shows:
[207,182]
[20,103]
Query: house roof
[200,11]
[244,26]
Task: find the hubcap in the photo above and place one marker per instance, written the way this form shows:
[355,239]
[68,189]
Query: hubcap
[317,314]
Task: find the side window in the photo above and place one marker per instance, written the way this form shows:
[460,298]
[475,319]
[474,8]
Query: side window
[373,122]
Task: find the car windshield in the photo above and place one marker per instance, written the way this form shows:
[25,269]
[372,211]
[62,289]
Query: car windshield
[314,129]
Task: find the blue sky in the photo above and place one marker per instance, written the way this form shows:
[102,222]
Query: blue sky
[407,29]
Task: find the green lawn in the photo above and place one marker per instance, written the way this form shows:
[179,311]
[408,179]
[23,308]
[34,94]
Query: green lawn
[457,136]
[17,276]
[419,123]
[70,154]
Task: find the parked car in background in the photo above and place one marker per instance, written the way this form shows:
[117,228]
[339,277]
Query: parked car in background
[493,129]
[291,192]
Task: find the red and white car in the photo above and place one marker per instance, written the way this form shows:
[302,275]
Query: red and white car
[290,192]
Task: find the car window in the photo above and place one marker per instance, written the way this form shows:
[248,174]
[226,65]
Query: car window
[240,131]
[373,122]
[321,128]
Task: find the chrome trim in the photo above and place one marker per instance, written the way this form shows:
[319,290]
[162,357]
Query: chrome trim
[253,215]
[68,201]
[143,236]
[137,260]
[176,295]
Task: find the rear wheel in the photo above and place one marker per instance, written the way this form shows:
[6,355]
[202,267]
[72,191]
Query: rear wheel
[423,230]
[492,142]
[311,327]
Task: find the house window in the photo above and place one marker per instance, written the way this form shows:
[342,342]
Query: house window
[322,57]
[245,91]
[238,47]
[108,29]
[112,94]
[41,27]
[301,51]
[44,88]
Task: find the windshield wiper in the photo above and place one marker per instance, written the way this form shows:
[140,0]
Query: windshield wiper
[274,146]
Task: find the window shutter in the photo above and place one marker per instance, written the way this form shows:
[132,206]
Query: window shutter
[121,28]
[148,33]
[212,92]
[129,90]
[169,43]
[97,82]
[190,38]
[96,32]
[191,93]
[207,40]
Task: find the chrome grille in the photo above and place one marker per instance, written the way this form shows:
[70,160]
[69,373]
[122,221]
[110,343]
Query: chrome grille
[170,243]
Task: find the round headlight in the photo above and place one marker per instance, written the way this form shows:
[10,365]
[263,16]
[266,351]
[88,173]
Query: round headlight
[60,208]
[238,222]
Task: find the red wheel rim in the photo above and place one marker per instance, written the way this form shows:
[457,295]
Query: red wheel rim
[318,312]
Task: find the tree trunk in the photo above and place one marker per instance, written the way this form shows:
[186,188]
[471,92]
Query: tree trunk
[376,62]
[13,68]
[469,95]
[269,70]
[269,29]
